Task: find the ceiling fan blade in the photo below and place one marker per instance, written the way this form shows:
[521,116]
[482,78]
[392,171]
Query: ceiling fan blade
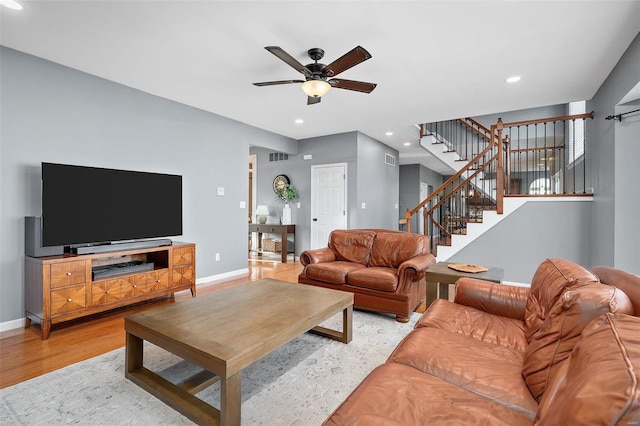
[288,59]
[350,59]
[272,83]
[358,86]
[313,100]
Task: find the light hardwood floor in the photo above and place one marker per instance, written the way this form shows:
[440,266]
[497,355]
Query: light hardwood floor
[24,355]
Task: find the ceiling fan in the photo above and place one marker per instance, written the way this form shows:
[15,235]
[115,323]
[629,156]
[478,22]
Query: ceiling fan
[317,76]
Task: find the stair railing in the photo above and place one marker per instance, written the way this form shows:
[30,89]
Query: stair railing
[507,151]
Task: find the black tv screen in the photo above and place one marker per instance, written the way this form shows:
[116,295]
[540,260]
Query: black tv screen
[89,205]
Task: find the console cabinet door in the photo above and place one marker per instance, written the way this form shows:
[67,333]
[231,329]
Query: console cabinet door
[106,291]
[183,275]
[68,299]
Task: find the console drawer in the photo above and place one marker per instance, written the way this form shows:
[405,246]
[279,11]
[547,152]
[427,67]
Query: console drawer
[68,273]
[182,256]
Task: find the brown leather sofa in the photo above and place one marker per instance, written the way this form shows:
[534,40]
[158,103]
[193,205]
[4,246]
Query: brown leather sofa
[384,269]
[565,351]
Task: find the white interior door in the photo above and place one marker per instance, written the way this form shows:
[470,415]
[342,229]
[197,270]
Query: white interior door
[328,201]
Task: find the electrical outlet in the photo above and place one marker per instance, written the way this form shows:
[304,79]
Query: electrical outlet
[217,257]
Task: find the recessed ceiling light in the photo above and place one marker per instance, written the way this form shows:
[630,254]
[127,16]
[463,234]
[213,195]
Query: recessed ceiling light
[407,143]
[299,121]
[513,79]
[389,134]
[11,4]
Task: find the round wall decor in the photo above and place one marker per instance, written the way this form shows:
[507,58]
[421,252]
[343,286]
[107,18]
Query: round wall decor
[280,182]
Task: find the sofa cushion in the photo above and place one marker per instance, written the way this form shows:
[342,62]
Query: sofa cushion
[562,328]
[488,370]
[377,278]
[331,272]
[390,249]
[550,280]
[472,322]
[600,383]
[409,397]
[352,245]
[625,281]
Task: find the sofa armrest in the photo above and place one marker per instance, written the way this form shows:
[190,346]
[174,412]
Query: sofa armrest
[317,256]
[412,270]
[498,299]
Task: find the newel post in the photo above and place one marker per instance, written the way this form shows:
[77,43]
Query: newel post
[407,215]
[500,169]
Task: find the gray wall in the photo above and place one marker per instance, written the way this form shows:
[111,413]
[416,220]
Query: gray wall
[613,160]
[57,114]
[410,177]
[531,234]
[378,186]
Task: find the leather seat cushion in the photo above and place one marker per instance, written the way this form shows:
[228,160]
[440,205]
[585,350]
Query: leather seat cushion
[472,322]
[383,279]
[599,383]
[550,280]
[390,249]
[332,272]
[562,328]
[494,372]
[352,245]
[408,397]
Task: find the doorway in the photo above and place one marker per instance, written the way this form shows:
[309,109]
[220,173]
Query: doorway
[328,201]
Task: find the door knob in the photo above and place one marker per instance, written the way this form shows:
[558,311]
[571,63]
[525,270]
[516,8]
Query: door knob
[315,219]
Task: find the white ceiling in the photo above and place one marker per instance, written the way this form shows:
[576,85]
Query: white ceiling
[432,60]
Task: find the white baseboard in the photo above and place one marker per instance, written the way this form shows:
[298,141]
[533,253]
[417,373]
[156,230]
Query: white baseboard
[19,323]
[11,325]
[230,274]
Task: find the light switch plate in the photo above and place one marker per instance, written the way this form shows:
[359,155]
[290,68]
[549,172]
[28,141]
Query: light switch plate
[220,191]
[364,205]
[243,204]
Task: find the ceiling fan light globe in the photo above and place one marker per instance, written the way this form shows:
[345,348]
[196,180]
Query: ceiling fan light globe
[315,88]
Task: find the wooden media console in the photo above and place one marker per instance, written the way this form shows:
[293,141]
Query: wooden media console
[62,288]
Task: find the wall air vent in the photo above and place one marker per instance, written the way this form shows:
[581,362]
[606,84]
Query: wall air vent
[278,156]
[389,160]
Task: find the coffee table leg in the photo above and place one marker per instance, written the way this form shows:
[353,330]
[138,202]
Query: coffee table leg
[347,324]
[230,399]
[134,353]
[443,291]
[343,336]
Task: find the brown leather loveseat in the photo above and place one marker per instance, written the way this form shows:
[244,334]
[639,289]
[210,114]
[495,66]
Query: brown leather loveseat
[565,351]
[384,269]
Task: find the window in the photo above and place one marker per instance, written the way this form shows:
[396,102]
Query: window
[576,131]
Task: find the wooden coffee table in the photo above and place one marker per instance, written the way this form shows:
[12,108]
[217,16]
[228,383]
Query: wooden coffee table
[224,332]
[441,274]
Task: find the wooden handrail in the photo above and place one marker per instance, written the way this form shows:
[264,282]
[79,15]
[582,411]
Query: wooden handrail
[475,159]
[548,120]
[466,120]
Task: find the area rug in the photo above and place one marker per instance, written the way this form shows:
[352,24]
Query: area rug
[301,383]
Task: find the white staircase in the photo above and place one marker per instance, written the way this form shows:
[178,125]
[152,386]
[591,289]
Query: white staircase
[490,218]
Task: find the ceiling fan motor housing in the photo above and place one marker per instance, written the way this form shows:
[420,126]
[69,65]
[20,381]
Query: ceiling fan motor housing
[316,71]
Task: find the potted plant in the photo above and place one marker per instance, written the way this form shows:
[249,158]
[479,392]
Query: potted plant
[286,194]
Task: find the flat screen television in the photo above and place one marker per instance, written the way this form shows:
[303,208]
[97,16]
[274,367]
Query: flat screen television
[90,205]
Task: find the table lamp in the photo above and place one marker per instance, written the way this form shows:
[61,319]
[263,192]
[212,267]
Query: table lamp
[261,214]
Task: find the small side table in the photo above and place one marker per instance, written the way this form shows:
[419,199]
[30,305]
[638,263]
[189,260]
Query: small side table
[441,274]
[283,230]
